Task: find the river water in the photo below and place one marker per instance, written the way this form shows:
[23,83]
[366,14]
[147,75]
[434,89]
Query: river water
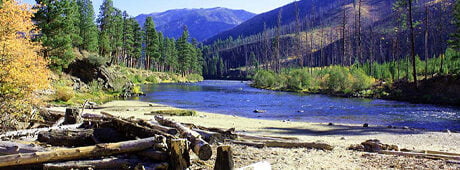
[238,98]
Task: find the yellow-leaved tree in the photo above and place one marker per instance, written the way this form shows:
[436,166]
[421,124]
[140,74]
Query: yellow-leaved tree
[22,70]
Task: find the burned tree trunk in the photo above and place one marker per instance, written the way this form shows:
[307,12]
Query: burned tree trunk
[7,148]
[72,116]
[133,129]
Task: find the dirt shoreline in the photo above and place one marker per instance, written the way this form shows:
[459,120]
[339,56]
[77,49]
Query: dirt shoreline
[339,135]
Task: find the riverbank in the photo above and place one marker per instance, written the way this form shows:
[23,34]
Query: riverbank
[338,135]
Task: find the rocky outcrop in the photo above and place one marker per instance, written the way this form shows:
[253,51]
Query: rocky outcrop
[87,72]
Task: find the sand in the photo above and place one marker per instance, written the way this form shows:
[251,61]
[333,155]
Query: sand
[339,135]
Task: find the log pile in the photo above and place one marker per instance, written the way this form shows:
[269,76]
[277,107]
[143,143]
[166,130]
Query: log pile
[77,140]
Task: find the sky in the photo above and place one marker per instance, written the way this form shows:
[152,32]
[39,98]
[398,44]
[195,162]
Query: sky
[136,7]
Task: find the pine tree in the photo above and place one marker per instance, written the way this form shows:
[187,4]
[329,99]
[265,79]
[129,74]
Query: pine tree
[128,38]
[106,24]
[151,43]
[137,45]
[88,29]
[59,31]
[183,51]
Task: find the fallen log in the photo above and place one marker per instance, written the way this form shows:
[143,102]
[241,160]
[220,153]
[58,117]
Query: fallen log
[198,145]
[285,144]
[309,145]
[174,112]
[132,128]
[34,132]
[210,137]
[67,137]
[107,163]
[154,125]
[154,155]
[8,148]
[422,155]
[224,158]
[246,143]
[64,154]
[253,137]
[179,154]
[226,133]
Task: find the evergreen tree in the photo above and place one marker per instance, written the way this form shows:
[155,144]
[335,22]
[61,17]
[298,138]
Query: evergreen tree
[59,31]
[88,29]
[151,43]
[107,28]
[183,51]
[136,52]
[128,38]
[117,36]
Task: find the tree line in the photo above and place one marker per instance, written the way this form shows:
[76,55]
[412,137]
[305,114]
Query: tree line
[70,29]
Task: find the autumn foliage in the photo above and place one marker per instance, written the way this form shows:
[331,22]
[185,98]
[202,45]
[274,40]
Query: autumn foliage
[22,70]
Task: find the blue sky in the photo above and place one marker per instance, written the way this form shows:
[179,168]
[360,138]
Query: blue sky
[136,7]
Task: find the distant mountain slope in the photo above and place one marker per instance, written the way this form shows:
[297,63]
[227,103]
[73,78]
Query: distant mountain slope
[202,23]
[318,11]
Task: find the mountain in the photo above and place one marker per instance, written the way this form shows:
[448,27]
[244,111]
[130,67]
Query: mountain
[201,23]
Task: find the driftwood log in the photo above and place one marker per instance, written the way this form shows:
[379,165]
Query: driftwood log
[198,145]
[34,132]
[285,144]
[157,126]
[179,154]
[68,137]
[224,159]
[422,155]
[107,163]
[63,154]
[210,137]
[8,148]
[226,133]
[132,128]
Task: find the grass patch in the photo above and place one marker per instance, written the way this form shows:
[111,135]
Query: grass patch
[174,112]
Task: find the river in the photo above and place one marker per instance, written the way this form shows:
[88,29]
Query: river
[238,98]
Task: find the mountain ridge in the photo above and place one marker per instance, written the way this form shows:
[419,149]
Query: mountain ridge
[201,22]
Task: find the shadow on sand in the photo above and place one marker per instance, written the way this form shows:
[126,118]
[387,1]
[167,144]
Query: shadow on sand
[347,130]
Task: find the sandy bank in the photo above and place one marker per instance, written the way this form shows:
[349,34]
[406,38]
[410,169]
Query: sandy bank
[338,135]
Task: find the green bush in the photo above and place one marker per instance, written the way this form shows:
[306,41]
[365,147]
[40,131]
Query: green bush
[299,80]
[338,79]
[361,81]
[94,87]
[194,77]
[264,78]
[97,60]
[64,94]
[138,79]
[153,79]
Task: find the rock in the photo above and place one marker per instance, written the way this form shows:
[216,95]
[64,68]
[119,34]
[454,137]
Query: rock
[448,131]
[389,126]
[366,125]
[259,111]
[151,104]
[374,145]
[405,127]
[342,138]
[300,111]
[330,124]
[86,71]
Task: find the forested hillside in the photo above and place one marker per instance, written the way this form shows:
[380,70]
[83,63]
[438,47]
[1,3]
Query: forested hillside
[333,32]
[202,23]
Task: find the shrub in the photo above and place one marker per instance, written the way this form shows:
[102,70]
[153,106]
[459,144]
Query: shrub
[138,79]
[299,80]
[361,81]
[153,79]
[338,79]
[64,94]
[194,77]
[97,60]
[94,87]
[264,78]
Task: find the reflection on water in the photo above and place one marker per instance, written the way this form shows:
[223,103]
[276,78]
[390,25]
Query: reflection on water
[238,98]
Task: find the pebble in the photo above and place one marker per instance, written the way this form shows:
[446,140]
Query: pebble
[330,124]
[151,105]
[342,138]
[300,111]
[365,125]
[405,127]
